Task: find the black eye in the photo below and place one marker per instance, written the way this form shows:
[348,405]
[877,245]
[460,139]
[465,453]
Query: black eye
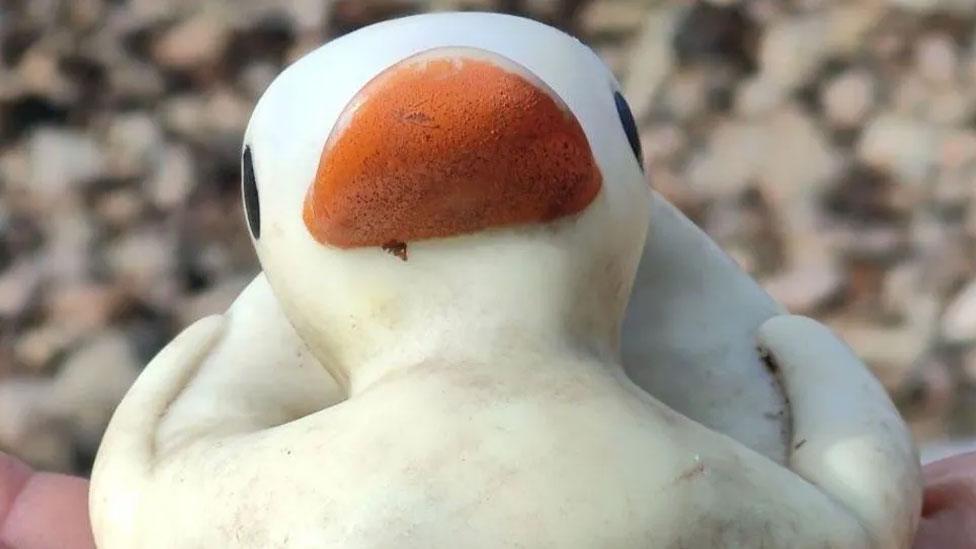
[252,207]
[630,127]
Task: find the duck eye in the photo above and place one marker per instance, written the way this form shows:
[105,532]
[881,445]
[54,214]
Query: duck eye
[630,127]
[252,207]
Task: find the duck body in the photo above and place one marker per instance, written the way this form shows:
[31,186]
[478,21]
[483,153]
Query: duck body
[450,211]
[470,454]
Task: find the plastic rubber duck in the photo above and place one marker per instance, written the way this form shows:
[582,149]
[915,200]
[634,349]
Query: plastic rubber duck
[450,211]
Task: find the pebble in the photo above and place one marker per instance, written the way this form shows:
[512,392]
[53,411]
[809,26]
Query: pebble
[792,50]
[893,352]
[849,25]
[959,319]
[80,308]
[612,18]
[686,93]
[142,261]
[805,290]
[173,178]
[902,145]
[652,58]
[936,60]
[194,43]
[36,349]
[848,98]
[215,300]
[19,285]
[757,97]
[91,383]
[120,209]
[28,430]
[133,141]
[61,159]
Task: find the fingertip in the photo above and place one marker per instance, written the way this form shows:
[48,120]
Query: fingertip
[50,511]
[13,477]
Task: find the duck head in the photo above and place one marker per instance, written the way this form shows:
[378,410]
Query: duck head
[454,184]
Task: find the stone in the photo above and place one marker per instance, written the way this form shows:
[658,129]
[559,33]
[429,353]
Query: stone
[135,80]
[729,161]
[892,352]
[950,106]
[173,178]
[686,93]
[936,59]
[848,98]
[133,140]
[120,208]
[28,430]
[90,384]
[214,300]
[805,290]
[757,97]
[612,18]
[227,112]
[39,73]
[308,15]
[931,388]
[256,77]
[85,14]
[196,42]
[901,145]
[185,115]
[849,24]
[651,58]
[141,258]
[959,319]
[61,159]
[786,153]
[911,95]
[711,34]
[15,166]
[19,285]
[81,308]
[901,288]
[959,7]
[969,364]
[792,50]
[37,348]
[662,143]
[797,158]
[65,255]
[957,149]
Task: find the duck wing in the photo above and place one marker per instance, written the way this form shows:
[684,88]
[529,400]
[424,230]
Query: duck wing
[689,335]
[239,372]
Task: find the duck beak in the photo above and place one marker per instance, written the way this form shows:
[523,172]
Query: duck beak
[450,141]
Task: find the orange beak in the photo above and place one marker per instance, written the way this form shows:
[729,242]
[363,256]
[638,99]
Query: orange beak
[447,143]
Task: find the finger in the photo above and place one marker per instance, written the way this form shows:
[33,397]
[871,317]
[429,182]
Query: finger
[952,527]
[949,509]
[42,510]
[953,466]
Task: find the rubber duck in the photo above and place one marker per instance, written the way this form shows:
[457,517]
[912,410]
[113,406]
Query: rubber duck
[449,210]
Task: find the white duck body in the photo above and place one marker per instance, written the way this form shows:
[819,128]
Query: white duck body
[475,395]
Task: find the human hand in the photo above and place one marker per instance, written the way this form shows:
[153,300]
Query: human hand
[42,510]
[949,508]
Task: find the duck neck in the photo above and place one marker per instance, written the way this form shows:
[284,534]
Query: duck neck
[468,333]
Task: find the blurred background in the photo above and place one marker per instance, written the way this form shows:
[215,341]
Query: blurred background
[828,146]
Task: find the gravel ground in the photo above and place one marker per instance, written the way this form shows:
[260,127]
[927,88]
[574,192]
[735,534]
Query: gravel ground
[829,146]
